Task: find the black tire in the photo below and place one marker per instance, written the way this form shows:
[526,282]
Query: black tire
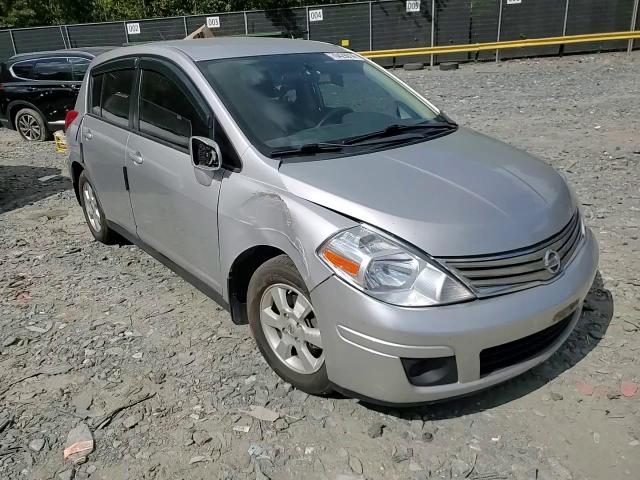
[31,126]
[103,234]
[281,270]
[413,66]
[448,66]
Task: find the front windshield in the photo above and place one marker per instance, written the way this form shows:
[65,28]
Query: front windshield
[286,101]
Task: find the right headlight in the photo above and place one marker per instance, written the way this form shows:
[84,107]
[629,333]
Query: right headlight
[384,269]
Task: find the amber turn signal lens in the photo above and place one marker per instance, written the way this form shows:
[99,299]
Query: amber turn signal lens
[344,264]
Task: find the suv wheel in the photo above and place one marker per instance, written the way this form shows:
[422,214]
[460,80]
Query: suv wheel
[31,126]
[93,212]
[285,327]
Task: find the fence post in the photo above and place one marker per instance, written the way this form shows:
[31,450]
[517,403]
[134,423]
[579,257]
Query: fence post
[566,18]
[433,29]
[66,30]
[64,42]
[370,27]
[126,32]
[186,31]
[634,19]
[499,30]
[246,23]
[306,10]
[13,42]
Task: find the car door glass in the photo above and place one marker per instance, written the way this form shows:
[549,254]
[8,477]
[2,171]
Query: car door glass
[96,93]
[23,69]
[78,67]
[116,93]
[167,112]
[56,69]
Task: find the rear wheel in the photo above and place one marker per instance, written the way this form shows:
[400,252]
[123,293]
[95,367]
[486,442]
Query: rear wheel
[93,213]
[31,126]
[285,326]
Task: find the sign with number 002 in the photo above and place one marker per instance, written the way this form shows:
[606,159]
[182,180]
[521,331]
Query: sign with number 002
[133,28]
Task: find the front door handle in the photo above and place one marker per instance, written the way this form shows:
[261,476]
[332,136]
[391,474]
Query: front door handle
[87,134]
[136,157]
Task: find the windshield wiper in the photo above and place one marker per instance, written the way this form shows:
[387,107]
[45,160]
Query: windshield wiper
[307,149]
[396,129]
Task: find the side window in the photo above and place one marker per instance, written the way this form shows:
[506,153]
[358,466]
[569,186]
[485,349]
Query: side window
[167,112]
[96,95]
[56,69]
[23,69]
[116,93]
[79,67]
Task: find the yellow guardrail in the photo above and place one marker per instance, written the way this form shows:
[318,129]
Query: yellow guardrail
[477,47]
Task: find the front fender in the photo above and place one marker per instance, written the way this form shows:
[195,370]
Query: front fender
[251,213]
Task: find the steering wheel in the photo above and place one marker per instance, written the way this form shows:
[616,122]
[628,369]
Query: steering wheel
[336,112]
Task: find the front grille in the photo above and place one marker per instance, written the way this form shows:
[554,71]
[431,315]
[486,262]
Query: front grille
[517,269]
[512,353]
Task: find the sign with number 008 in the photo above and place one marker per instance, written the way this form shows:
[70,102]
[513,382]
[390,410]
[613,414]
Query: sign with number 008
[133,28]
[413,6]
[315,15]
[213,22]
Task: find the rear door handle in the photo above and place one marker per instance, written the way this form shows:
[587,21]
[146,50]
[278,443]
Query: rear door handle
[136,157]
[87,134]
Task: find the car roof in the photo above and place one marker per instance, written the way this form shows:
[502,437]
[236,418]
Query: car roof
[89,52]
[225,47]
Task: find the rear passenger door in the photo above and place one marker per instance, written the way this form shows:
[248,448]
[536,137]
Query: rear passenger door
[174,204]
[54,81]
[104,134]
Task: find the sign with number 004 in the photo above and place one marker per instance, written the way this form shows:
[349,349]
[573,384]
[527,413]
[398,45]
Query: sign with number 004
[133,28]
[315,15]
[413,6]
[213,22]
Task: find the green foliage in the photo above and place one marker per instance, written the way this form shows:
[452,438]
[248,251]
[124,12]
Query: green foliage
[27,13]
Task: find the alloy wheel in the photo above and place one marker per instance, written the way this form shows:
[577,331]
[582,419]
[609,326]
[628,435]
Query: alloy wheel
[91,207]
[29,127]
[291,328]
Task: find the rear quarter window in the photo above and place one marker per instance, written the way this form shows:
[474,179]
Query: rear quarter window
[23,69]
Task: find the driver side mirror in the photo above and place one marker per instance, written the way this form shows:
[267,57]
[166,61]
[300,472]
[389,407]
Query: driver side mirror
[205,154]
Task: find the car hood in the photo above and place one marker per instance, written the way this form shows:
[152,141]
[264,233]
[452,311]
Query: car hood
[461,194]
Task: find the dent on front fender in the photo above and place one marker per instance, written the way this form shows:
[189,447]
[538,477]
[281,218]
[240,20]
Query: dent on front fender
[252,214]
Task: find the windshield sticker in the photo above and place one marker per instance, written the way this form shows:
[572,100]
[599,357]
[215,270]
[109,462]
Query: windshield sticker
[343,56]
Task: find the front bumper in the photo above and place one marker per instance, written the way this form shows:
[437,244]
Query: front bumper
[364,339]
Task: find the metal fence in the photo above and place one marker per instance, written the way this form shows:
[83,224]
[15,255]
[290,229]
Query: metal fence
[373,25]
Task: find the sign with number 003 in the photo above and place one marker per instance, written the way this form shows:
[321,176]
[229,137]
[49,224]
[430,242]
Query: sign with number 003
[213,22]
[413,6]
[133,28]
[315,15]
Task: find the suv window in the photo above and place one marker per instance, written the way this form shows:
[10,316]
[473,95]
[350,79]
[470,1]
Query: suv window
[23,69]
[79,67]
[58,69]
[116,93]
[167,112]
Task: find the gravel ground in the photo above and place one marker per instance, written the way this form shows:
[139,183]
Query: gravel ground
[107,337]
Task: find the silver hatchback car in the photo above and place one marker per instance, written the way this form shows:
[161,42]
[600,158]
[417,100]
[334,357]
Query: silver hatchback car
[373,245]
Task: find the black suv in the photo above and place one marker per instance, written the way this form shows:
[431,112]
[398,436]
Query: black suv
[38,89]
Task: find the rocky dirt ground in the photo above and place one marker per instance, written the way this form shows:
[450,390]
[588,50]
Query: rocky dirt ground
[108,338]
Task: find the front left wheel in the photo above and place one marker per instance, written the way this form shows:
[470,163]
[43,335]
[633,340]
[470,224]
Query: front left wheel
[285,327]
